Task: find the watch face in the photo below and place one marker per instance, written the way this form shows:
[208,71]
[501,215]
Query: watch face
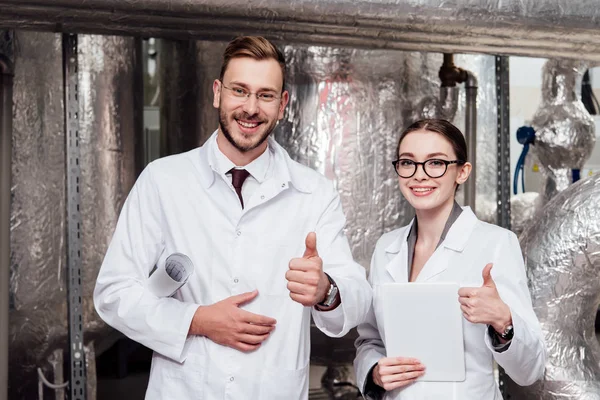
[508,333]
[331,296]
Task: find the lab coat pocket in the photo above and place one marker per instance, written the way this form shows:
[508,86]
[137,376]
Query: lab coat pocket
[174,380]
[282,384]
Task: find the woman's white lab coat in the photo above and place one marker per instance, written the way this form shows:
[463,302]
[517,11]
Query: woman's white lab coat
[469,245]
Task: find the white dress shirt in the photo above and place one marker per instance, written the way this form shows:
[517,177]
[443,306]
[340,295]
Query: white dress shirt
[186,204]
[258,169]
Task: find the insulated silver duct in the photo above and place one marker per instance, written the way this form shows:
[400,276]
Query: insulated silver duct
[347,108]
[562,256]
[109,122]
[38,254]
[523,208]
[6,87]
[110,74]
[526,27]
[565,131]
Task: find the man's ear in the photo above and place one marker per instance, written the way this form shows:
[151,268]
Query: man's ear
[216,93]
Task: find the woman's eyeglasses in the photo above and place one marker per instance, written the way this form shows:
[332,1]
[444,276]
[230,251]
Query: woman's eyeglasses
[433,168]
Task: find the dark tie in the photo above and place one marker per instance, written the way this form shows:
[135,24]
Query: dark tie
[238,176]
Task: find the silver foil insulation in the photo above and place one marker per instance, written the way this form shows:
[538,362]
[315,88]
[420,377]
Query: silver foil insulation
[108,124]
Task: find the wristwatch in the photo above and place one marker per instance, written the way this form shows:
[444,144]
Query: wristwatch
[508,333]
[331,294]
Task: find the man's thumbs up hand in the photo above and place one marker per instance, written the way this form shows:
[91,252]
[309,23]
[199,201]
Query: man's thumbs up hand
[307,283]
[311,246]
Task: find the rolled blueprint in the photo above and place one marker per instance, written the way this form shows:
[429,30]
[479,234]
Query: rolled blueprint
[171,276]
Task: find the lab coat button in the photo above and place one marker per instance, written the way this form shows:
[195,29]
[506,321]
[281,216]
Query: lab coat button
[238,233]
[231,379]
[262,197]
[236,280]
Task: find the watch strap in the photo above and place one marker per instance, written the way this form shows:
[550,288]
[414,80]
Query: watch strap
[331,293]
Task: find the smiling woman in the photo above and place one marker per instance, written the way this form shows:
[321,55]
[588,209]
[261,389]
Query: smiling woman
[447,243]
[440,149]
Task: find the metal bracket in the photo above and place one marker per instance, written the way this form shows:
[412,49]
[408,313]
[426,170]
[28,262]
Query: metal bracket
[503,211]
[78,390]
[503,93]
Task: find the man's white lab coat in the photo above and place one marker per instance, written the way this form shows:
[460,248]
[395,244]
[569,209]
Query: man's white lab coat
[180,204]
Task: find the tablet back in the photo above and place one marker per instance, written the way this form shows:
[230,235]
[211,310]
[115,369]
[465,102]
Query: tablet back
[424,321]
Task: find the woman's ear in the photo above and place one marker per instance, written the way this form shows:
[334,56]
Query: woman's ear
[463,173]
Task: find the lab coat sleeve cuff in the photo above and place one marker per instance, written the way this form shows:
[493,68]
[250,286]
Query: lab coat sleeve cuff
[371,391]
[495,343]
[499,348]
[181,339]
[524,359]
[363,368]
[337,322]
[329,321]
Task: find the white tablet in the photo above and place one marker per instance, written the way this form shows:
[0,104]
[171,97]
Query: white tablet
[424,321]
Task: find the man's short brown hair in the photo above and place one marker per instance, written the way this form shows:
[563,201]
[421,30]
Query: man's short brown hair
[255,47]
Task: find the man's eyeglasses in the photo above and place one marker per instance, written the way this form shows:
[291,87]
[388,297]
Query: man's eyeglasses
[244,94]
[433,168]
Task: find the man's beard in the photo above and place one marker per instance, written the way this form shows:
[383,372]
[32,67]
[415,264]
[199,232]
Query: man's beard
[239,146]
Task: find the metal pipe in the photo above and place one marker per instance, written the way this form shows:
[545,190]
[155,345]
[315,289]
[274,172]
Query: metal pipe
[56,360]
[448,101]
[6,84]
[471,137]
[531,28]
[450,75]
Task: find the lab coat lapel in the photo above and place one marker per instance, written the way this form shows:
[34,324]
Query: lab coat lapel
[269,189]
[397,256]
[285,174]
[455,242]
[437,263]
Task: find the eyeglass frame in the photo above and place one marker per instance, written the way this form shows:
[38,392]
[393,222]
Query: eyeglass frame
[422,164]
[244,98]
